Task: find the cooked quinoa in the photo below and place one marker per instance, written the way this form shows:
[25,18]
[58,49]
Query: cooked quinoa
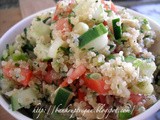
[86,55]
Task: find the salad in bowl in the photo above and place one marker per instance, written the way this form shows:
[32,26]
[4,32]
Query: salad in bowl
[86,59]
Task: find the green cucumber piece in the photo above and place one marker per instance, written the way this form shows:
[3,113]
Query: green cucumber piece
[117,28]
[143,87]
[124,115]
[5,55]
[14,102]
[22,98]
[19,56]
[62,97]
[91,35]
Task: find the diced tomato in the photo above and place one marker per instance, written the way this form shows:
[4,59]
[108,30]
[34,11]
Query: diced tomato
[101,99]
[105,23]
[135,98]
[27,76]
[96,85]
[63,12]
[78,72]
[48,77]
[63,25]
[6,72]
[26,73]
[51,76]
[81,95]
[38,74]
[107,7]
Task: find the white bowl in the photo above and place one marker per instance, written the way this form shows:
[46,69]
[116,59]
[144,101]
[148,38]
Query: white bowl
[10,35]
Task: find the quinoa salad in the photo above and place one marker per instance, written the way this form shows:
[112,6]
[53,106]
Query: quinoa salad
[87,60]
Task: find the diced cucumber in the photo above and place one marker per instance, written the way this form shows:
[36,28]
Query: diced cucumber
[146,68]
[98,43]
[11,49]
[14,102]
[22,98]
[143,88]
[92,38]
[40,28]
[117,28]
[62,97]
[124,115]
[19,56]
[54,47]
[5,55]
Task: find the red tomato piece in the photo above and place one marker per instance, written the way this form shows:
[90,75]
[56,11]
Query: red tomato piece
[107,7]
[78,72]
[101,99]
[26,73]
[6,72]
[105,23]
[81,95]
[27,76]
[135,98]
[63,25]
[96,85]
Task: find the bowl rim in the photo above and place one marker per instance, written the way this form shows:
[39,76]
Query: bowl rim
[153,109]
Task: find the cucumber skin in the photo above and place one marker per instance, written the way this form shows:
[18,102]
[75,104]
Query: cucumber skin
[117,29]
[91,34]
[14,103]
[62,97]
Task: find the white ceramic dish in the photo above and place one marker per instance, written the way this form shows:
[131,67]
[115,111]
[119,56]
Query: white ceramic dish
[10,35]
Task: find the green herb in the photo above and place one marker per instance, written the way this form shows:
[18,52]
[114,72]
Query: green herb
[1,75]
[90,49]
[130,58]
[51,35]
[69,21]
[111,56]
[38,19]
[145,21]
[25,32]
[111,47]
[27,47]
[17,64]
[88,76]
[47,59]
[96,52]
[45,20]
[95,76]
[72,14]
[7,46]
[147,36]
[65,50]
